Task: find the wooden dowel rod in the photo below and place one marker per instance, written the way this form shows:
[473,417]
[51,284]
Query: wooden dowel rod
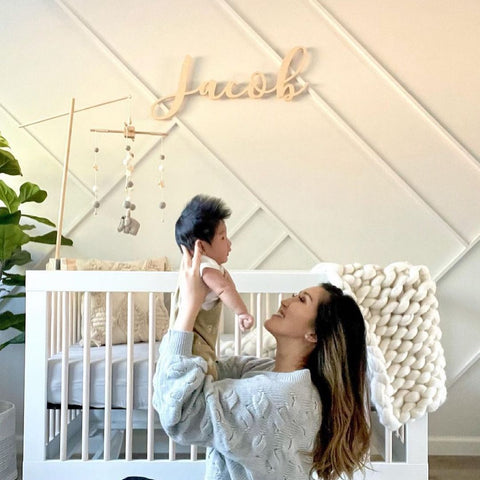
[105,130]
[64,186]
[151,133]
[76,111]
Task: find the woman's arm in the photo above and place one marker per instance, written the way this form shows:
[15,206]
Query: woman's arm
[193,289]
[249,420]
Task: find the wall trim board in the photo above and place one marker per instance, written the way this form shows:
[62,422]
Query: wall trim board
[153,96]
[453,445]
[83,186]
[345,127]
[380,69]
[457,258]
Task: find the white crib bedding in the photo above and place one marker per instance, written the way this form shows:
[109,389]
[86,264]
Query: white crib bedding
[119,371]
[97,376]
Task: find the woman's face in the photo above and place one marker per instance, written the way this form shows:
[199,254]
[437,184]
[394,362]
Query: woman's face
[296,316]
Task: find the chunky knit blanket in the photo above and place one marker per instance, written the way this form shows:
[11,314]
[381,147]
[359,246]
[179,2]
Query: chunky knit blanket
[406,363]
[405,357]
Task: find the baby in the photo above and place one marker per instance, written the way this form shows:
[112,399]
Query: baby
[204,219]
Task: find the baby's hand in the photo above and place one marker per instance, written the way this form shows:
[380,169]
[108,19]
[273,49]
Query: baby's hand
[246,321]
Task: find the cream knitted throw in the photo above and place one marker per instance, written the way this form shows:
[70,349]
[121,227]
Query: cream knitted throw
[405,357]
[406,362]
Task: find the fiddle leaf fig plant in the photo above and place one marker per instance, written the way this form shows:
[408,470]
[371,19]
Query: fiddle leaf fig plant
[16,230]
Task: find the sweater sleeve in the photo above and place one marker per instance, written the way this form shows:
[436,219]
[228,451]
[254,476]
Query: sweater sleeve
[233,416]
[238,366]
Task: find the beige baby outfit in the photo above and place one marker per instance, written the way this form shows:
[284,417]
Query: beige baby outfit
[206,324]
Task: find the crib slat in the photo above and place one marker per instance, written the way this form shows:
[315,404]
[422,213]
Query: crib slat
[62,307]
[79,316]
[268,313]
[237,337]
[173,307]
[416,435]
[129,399]
[151,370]
[57,422]
[258,315]
[50,430]
[51,426]
[107,422]
[388,446]
[71,318]
[86,378]
[56,338]
[171,449]
[51,305]
[193,452]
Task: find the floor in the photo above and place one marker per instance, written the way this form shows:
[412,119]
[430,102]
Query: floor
[454,468]
[441,468]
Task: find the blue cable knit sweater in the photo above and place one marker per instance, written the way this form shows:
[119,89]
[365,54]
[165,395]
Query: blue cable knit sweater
[258,424]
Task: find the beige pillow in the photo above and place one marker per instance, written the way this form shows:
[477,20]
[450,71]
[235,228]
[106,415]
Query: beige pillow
[119,301]
[119,309]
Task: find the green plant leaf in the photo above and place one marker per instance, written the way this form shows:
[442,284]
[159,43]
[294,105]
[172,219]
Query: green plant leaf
[12,320]
[11,237]
[50,238]
[29,192]
[20,338]
[8,163]
[15,295]
[3,142]
[7,218]
[9,197]
[19,257]
[46,221]
[26,227]
[13,279]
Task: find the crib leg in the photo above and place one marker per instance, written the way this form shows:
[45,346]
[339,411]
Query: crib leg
[417,441]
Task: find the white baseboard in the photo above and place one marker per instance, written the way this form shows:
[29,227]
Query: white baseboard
[439,445]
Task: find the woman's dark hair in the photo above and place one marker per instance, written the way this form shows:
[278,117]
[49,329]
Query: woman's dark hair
[338,367]
[199,220]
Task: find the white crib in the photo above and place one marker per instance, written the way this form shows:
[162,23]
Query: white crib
[119,435]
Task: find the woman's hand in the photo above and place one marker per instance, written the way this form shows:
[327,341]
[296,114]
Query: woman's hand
[192,289]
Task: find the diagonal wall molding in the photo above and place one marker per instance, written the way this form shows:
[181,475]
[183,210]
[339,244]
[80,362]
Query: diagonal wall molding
[468,365]
[74,177]
[150,93]
[457,259]
[382,71]
[344,125]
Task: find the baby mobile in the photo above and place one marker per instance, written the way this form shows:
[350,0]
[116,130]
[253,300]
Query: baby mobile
[128,224]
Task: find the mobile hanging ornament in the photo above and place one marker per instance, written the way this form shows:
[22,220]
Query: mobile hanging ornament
[161,182]
[127,223]
[96,203]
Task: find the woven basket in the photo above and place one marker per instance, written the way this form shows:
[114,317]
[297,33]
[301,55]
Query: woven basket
[8,458]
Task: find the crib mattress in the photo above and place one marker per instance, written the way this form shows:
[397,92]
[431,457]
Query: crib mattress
[97,376]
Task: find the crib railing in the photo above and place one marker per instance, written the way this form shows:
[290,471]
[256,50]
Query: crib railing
[70,441]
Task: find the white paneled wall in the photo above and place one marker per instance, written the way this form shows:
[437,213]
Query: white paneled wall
[377,162]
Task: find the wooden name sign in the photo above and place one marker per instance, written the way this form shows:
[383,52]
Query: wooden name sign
[257,87]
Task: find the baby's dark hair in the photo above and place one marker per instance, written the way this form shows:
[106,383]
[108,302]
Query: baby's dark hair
[199,220]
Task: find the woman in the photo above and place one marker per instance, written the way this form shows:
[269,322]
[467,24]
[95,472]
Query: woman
[304,412]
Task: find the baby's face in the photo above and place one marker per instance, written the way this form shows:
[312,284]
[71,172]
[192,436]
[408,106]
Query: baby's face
[220,246]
